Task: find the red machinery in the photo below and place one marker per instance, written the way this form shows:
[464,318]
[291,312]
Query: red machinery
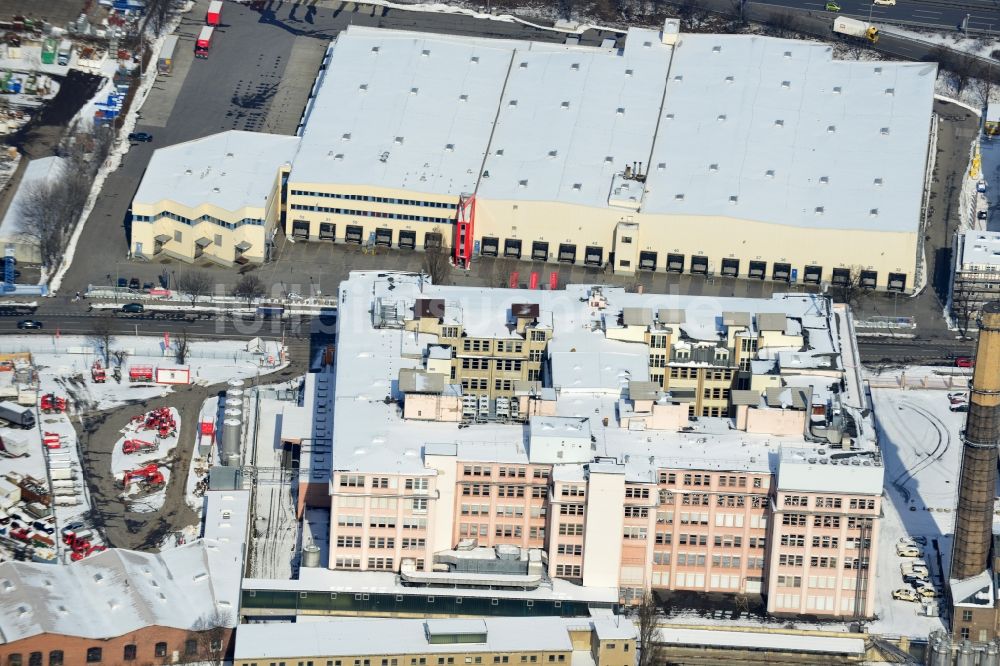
[97,373]
[51,404]
[81,547]
[131,446]
[150,476]
[161,420]
[140,373]
[20,534]
[52,440]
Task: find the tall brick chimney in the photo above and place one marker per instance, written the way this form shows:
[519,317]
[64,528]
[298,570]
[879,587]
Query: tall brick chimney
[977,481]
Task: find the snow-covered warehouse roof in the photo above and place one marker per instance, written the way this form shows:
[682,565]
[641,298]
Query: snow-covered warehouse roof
[119,591]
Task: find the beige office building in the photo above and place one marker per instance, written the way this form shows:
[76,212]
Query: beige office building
[732,155]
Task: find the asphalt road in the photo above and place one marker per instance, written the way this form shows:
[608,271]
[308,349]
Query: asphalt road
[945,14]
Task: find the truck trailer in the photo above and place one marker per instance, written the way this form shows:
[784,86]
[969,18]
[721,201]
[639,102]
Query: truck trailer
[165,63]
[214,14]
[855,28]
[204,42]
[17,415]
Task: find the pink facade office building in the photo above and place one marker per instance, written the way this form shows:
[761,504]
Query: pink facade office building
[503,437]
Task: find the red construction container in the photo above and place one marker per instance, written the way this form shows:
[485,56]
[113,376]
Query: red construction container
[514,279]
[554,280]
[533,281]
[140,373]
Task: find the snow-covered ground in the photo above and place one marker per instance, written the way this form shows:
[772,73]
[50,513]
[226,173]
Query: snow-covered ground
[921,446]
[64,365]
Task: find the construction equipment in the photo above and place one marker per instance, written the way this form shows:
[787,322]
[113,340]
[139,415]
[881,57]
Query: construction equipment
[51,404]
[131,446]
[149,476]
[140,373]
[97,373]
[80,546]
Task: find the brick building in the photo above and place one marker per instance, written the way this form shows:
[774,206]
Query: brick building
[121,607]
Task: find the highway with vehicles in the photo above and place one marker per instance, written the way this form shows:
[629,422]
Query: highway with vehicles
[981,15]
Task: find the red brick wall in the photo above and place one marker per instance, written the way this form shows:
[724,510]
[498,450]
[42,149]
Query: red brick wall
[112,649]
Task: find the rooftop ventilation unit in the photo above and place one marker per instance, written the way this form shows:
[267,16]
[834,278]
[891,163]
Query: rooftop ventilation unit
[425,53]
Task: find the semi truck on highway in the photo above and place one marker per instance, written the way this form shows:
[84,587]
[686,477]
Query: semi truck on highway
[855,28]
[204,42]
[18,415]
[165,63]
[214,14]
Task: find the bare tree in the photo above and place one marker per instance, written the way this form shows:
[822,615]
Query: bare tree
[502,268]
[101,336]
[648,619]
[436,263]
[983,82]
[250,287]
[195,284]
[852,291]
[782,24]
[120,355]
[182,347]
[210,634]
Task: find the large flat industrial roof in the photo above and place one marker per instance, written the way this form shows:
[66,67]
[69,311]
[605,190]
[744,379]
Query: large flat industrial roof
[334,638]
[230,170]
[404,110]
[778,131]
[740,126]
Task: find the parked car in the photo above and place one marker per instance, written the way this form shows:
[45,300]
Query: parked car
[25,324]
[74,526]
[133,284]
[832,7]
[891,3]
[928,592]
[915,579]
[959,406]
[43,527]
[133,308]
[122,283]
[906,550]
[981,215]
[904,594]
[965,362]
[140,137]
[915,540]
[146,286]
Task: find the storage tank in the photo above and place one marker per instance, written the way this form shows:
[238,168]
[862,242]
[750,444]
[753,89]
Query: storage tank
[232,429]
[991,657]
[939,653]
[234,403]
[233,414]
[235,383]
[966,655]
[310,555]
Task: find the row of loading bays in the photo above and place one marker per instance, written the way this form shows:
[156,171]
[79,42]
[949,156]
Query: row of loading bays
[699,265]
[490,247]
[355,234]
[593,255]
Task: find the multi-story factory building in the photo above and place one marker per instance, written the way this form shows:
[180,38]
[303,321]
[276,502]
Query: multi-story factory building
[503,437]
[655,152]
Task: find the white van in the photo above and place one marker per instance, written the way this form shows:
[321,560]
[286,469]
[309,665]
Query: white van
[891,3]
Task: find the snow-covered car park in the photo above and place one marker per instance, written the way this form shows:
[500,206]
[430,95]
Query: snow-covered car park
[919,434]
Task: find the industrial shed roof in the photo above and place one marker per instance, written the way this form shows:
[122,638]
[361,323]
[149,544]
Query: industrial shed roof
[230,170]
[778,131]
[118,591]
